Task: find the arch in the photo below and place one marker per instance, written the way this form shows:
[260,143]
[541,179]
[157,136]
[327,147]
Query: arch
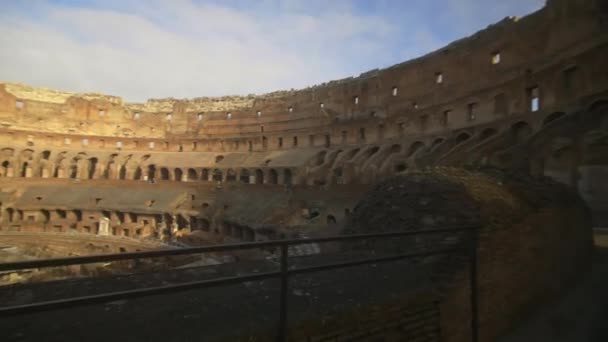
[414,147]
[192,174]
[521,131]
[551,117]
[597,104]
[244,177]
[331,219]
[371,151]
[400,167]
[598,112]
[24,169]
[230,175]
[122,172]
[320,158]
[437,142]
[217,175]
[164,173]
[151,172]
[462,137]
[351,154]
[287,177]
[92,167]
[178,174]
[205,174]
[73,171]
[11,214]
[46,215]
[273,177]
[77,215]
[138,173]
[259,176]
[45,155]
[487,133]
[5,165]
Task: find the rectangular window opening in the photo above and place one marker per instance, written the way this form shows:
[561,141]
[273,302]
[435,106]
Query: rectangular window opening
[438,78]
[534,98]
[495,57]
[471,111]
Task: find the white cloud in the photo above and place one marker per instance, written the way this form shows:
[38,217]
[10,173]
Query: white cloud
[186,49]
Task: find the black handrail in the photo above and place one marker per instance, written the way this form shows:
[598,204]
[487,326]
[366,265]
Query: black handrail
[284,273]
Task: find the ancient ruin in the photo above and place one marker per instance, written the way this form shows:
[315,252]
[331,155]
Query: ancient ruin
[527,95]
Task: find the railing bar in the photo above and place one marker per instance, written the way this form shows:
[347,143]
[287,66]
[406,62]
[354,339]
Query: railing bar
[205,283]
[282,333]
[129,294]
[369,261]
[217,248]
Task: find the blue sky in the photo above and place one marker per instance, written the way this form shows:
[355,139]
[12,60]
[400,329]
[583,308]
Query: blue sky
[181,48]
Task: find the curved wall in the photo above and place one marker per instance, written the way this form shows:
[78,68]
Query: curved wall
[553,54]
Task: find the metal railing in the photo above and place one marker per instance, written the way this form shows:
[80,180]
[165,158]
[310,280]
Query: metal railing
[284,272]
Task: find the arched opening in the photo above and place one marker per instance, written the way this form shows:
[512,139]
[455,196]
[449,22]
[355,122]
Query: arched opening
[46,215]
[273,177]
[320,158]
[462,137]
[24,169]
[5,165]
[351,154]
[230,175]
[203,224]
[217,175]
[164,173]
[45,155]
[287,177]
[400,167]
[414,147]
[122,174]
[11,214]
[61,213]
[219,159]
[78,215]
[244,178]
[73,171]
[552,117]
[437,142]
[259,176]
[92,167]
[486,133]
[331,219]
[521,131]
[598,105]
[137,174]
[178,174]
[151,172]
[205,174]
[192,174]
[372,151]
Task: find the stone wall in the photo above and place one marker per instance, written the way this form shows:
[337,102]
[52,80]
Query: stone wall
[534,241]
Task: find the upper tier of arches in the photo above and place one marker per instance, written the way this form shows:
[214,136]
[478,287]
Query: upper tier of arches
[537,64]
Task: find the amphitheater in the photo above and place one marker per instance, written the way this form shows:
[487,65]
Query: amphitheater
[528,95]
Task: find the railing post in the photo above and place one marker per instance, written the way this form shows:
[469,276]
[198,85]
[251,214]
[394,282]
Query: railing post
[474,287]
[282,334]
